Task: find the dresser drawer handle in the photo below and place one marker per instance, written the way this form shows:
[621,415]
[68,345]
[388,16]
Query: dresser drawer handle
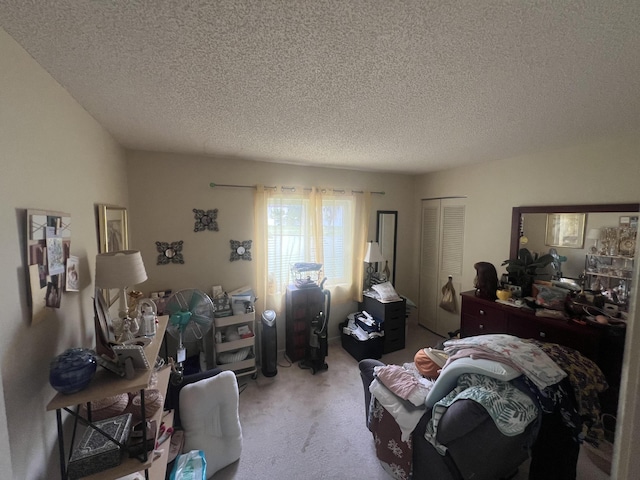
[482,312]
[481,326]
[543,335]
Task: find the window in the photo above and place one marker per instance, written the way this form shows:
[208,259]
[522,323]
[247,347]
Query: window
[293,235]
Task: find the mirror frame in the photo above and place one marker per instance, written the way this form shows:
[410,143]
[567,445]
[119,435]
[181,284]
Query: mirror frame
[517,213]
[379,225]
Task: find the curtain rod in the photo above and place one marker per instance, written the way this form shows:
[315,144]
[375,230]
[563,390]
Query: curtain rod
[290,189]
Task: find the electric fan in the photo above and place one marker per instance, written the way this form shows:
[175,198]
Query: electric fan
[190,317]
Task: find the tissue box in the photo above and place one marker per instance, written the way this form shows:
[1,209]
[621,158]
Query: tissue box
[95,452]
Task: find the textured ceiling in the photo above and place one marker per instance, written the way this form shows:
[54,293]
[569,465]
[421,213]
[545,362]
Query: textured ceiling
[407,86]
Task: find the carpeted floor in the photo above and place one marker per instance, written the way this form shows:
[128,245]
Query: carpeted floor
[299,425]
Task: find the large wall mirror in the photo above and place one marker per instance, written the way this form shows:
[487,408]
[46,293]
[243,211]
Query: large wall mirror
[574,232]
[386,236]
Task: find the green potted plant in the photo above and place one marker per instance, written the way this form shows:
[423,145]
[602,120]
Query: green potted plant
[524,269]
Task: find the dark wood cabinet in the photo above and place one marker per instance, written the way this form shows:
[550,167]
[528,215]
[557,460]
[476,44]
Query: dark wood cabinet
[602,344]
[302,306]
[393,316]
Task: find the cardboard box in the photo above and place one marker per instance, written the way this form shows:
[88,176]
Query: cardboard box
[95,452]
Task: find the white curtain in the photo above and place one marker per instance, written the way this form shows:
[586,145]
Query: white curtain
[309,225]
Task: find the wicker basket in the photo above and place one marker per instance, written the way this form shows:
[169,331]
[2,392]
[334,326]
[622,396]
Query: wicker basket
[234,356]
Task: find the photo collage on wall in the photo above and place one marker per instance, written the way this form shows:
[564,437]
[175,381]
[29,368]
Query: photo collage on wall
[51,269]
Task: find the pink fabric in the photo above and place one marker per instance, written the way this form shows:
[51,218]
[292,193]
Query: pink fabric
[398,380]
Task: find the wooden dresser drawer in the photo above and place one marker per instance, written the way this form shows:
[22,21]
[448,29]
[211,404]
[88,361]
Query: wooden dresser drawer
[482,325]
[481,318]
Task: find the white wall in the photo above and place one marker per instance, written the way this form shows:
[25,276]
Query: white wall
[606,171]
[54,156]
[165,188]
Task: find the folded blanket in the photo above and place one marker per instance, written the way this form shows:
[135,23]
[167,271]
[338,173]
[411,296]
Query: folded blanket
[526,357]
[404,383]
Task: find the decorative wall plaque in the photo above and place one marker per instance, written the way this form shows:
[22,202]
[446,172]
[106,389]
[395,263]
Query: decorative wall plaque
[205,220]
[240,250]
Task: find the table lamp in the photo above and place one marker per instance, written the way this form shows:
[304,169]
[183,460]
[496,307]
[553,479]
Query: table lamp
[594,234]
[121,270]
[373,255]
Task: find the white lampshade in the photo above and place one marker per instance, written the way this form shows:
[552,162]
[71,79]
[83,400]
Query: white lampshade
[119,269]
[593,234]
[373,255]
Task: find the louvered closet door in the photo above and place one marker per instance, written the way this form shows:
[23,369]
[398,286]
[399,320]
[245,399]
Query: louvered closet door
[451,250]
[430,241]
[441,256]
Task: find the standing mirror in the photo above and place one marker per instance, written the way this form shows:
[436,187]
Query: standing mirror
[386,236]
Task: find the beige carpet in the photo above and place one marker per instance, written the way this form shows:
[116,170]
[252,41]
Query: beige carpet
[297,425]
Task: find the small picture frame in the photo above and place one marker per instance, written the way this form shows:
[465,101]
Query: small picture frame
[113,231]
[73,274]
[565,230]
[113,228]
[216,291]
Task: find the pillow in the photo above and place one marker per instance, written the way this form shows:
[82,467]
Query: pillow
[209,416]
[448,378]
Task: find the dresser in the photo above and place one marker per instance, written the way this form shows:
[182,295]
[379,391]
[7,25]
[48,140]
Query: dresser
[393,318]
[602,344]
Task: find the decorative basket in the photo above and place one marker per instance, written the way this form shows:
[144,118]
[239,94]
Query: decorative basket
[234,356]
[153,400]
[107,407]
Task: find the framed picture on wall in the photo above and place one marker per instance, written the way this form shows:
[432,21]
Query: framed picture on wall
[113,228]
[113,234]
[565,230]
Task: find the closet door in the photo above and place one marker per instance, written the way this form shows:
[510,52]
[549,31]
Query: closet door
[430,240]
[442,246]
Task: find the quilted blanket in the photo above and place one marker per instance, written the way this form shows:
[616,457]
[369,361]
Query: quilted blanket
[526,357]
[511,409]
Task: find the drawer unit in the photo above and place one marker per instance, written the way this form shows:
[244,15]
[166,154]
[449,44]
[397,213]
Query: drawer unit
[479,318]
[393,318]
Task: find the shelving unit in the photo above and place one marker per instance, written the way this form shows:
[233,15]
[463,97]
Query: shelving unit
[303,305]
[105,384]
[247,366]
[612,273]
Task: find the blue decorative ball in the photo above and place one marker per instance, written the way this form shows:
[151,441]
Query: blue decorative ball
[72,370]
